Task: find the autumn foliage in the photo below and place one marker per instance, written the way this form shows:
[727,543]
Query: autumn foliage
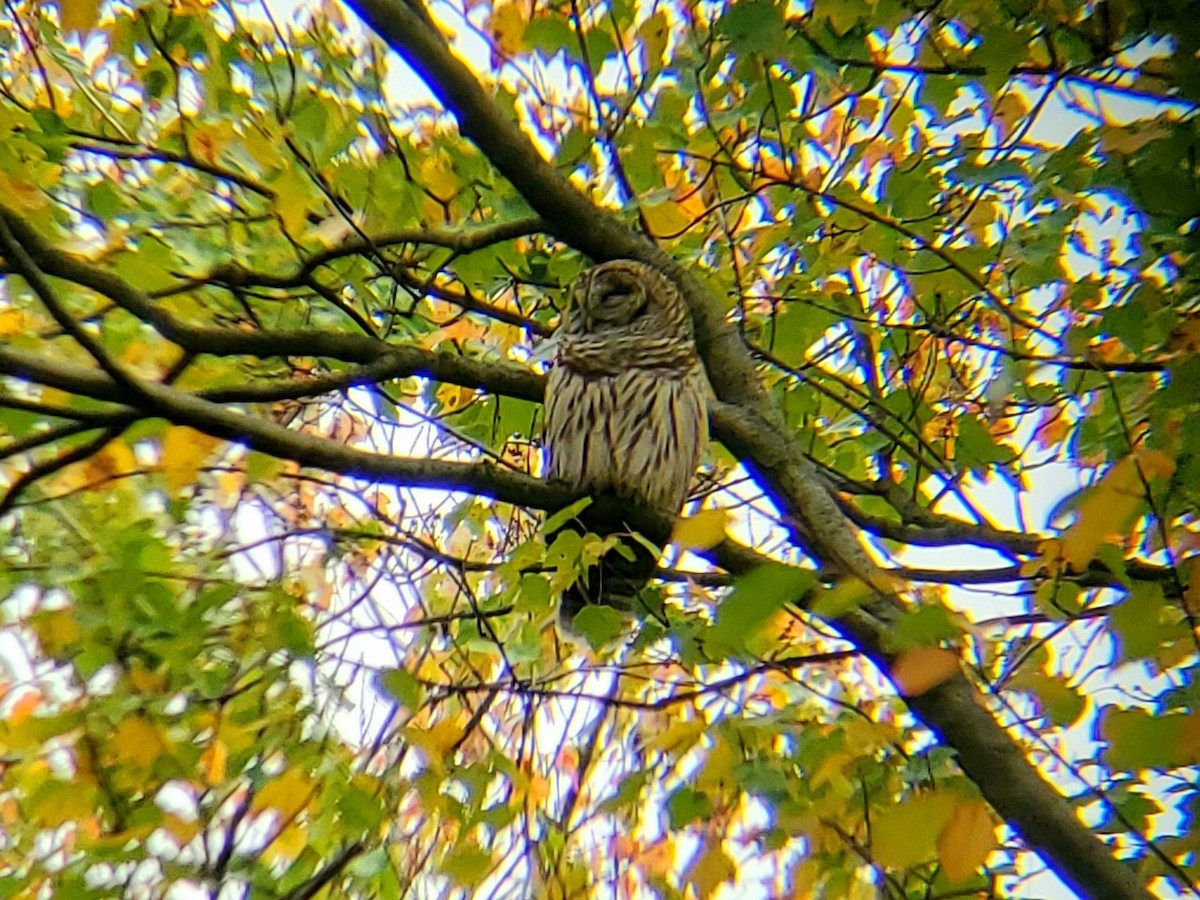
[278,616]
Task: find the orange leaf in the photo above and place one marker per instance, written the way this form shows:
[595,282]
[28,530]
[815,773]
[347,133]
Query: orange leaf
[24,708]
[181,829]
[12,321]
[658,858]
[966,841]
[215,761]
[916,671]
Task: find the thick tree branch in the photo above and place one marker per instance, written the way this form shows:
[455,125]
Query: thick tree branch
[204,415]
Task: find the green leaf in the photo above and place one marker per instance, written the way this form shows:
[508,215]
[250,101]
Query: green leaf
[755,599]
[599,625]
[404,686]
[467,865]
[686,806]
[360,810]
[755,26]
[924,626]
[535,592]
[1138,739]
[566,514]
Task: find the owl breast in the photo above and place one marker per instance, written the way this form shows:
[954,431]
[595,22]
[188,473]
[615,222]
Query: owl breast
[638,433]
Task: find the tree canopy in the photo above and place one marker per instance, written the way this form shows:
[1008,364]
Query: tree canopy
[278,288]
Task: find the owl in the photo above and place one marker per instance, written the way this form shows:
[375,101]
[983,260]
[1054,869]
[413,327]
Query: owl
[626,404]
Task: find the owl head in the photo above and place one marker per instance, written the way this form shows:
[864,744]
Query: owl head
[626,296]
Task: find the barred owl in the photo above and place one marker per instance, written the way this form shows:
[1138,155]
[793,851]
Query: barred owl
[626,405]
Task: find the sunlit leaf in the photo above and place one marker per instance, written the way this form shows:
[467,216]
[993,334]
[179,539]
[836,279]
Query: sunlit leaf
[908,834]
[966,840]
[703,530]
[923,668]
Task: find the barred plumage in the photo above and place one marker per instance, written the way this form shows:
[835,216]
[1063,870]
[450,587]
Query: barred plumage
[626,402]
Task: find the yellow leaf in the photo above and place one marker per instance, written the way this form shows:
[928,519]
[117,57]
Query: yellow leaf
[720,762]
[906,835]
[115,840]
[803,879]
[678,737]
[1108,508]
[79,15]
[437,740]
[293,200]
[863,887]
[712,868]
[454,398]
[438,177]
[136,742]
[654,33]
[181,829]
[184,451]
[917,671]
[229,488]
[145,681]
[12,321]
[113,459]
[60,802]
[966,841]
[508,28]
[832,770]
[1191,596]
[700,532]
[208,140]
[25,195]
[664,218]
[57,631]
[288,844]
[288,793]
